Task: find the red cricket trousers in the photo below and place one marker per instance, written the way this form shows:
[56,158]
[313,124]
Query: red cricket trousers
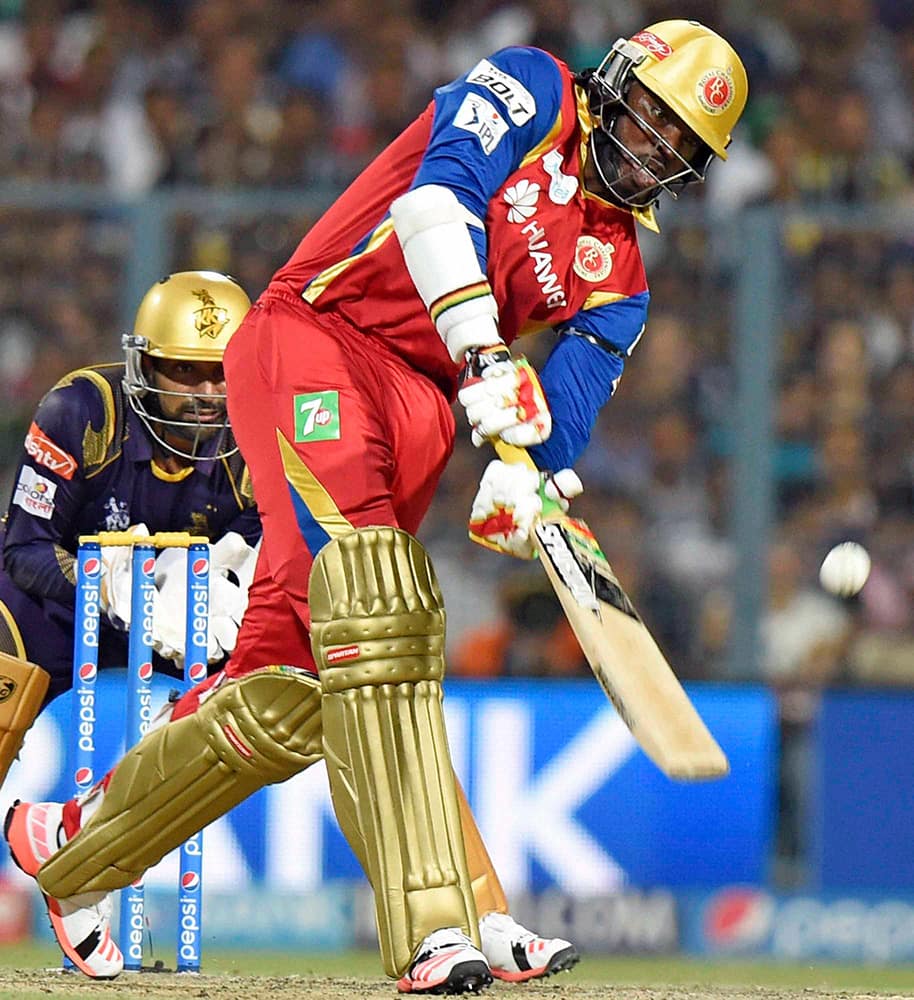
[337,433]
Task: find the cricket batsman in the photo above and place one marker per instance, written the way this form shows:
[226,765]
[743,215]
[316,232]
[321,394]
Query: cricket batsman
[509,206]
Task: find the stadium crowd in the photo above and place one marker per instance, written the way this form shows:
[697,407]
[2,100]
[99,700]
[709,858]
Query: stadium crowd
[143,96]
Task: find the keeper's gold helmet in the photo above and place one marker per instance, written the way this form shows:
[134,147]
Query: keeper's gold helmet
[187,316]
[694,71]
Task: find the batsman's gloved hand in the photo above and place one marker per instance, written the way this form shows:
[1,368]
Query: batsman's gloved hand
[503,398]
[510,500]
[115,593]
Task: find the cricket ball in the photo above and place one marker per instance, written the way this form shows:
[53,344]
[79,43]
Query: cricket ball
[845,569]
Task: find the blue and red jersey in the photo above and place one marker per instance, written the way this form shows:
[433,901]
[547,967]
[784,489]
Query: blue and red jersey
[509,139]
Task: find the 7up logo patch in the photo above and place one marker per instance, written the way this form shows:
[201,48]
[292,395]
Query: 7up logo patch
[317,416]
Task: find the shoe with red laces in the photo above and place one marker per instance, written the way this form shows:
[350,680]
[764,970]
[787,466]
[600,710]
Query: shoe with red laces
[516,954]
[447,961]
[81,924]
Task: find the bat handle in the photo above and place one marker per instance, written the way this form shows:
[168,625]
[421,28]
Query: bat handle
[512,454]
[520,456]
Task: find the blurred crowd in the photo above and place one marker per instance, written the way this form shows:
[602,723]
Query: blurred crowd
[139,97]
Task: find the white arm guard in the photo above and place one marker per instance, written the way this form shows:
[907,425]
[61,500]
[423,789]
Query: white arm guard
[431,226]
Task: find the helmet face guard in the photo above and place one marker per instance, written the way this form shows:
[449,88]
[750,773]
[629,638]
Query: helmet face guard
[145,401]
[608,86]
[187,316]
[695,74]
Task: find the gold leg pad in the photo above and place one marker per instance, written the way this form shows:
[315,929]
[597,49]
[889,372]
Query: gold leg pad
[378,638]
[255,731]
[23,686]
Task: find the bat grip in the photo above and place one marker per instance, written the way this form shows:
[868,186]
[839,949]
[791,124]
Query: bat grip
[512,454]
[520,456]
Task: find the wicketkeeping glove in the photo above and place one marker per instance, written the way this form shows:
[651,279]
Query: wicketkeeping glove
[231,570]
[503,398]
[509,501]
[115,591]
[233,562]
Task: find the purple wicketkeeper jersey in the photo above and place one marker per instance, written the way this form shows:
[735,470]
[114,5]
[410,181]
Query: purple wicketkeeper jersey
[87,467]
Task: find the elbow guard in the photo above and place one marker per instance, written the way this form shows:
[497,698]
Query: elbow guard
[431,226]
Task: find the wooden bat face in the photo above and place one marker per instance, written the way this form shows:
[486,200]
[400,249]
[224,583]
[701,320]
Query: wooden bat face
[623,655]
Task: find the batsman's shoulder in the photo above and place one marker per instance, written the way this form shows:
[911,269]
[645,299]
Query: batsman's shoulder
[523,83]
[537,70]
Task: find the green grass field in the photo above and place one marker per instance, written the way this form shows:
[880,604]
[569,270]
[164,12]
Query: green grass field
[611,972]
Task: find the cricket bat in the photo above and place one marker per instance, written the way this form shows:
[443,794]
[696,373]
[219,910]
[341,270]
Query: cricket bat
[622,653]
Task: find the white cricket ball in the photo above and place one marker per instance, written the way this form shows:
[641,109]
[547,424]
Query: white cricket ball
[844,570]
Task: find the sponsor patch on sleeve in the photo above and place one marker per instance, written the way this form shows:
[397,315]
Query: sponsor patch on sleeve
[512,93]
[478,116]
[45,452]
[34,494]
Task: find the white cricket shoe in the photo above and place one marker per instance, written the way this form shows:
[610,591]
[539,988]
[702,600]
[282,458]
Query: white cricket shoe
[447,961]
[516,954]
[81,924]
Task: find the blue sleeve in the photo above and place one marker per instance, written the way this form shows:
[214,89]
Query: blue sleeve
[581,374]
[618,324]
[484,125]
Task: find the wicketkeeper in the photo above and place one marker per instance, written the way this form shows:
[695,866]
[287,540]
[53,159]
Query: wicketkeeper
[143,445]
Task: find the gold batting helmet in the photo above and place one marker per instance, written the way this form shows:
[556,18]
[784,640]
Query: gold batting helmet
[694,71]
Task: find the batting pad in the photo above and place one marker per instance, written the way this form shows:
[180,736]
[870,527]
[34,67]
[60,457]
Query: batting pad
[23,686]
[377,634]
[255,731]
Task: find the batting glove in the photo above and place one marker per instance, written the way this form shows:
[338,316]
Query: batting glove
[503,398]
[510,501]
